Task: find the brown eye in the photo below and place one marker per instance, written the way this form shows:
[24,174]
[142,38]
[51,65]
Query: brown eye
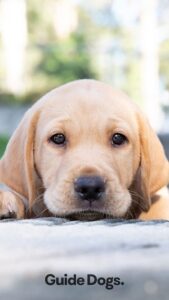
[118,139]
[58,139]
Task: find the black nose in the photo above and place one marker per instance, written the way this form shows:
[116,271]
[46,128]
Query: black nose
[89,188]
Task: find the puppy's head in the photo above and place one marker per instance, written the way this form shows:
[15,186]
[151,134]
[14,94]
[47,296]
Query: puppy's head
[90,150]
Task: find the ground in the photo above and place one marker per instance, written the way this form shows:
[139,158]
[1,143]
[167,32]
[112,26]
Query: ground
[137,252]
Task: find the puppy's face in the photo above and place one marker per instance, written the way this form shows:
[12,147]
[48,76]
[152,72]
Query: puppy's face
[87,152]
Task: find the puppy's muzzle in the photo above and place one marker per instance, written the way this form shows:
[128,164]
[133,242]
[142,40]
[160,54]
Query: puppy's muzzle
[90,188]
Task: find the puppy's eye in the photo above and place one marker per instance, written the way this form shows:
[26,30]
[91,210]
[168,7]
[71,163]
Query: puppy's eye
[58,139]
[118,139]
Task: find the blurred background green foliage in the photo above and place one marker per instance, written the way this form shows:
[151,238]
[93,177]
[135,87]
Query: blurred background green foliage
[3,143]
[68,40]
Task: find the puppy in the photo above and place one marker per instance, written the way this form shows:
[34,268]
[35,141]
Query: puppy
[84,151]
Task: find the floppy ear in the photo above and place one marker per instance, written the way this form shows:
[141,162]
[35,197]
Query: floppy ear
[17,168]
[153,171]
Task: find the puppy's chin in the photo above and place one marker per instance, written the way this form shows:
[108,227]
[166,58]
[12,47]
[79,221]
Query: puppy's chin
[88,215]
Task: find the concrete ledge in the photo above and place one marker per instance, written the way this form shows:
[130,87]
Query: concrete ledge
[135,251]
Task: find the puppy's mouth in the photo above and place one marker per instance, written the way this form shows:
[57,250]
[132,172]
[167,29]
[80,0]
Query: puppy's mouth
[89,215]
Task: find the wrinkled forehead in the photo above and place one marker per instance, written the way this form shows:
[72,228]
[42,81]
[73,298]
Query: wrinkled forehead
[90,107]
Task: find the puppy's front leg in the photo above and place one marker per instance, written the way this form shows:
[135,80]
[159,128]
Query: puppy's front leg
[11,206]
[159,209]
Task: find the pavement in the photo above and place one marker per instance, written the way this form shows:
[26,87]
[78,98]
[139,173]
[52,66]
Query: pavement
[134,253]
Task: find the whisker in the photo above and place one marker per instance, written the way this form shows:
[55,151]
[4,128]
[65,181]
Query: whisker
[136,200]
[37,200]
[134,193]
[41,213]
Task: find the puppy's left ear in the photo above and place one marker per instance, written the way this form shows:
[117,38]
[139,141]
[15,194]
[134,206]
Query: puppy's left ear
[17,166]
[153,171]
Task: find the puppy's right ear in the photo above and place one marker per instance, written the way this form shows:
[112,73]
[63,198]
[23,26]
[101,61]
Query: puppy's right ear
[153,170]
[17,167]
[154,164]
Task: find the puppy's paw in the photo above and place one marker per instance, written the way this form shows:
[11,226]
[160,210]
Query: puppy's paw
[10,206]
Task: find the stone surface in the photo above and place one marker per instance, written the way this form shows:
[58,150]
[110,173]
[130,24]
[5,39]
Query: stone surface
[135,251]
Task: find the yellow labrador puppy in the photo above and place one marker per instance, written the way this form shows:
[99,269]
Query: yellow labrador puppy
[84,151]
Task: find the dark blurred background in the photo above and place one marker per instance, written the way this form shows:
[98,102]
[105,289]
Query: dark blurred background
[44,44]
